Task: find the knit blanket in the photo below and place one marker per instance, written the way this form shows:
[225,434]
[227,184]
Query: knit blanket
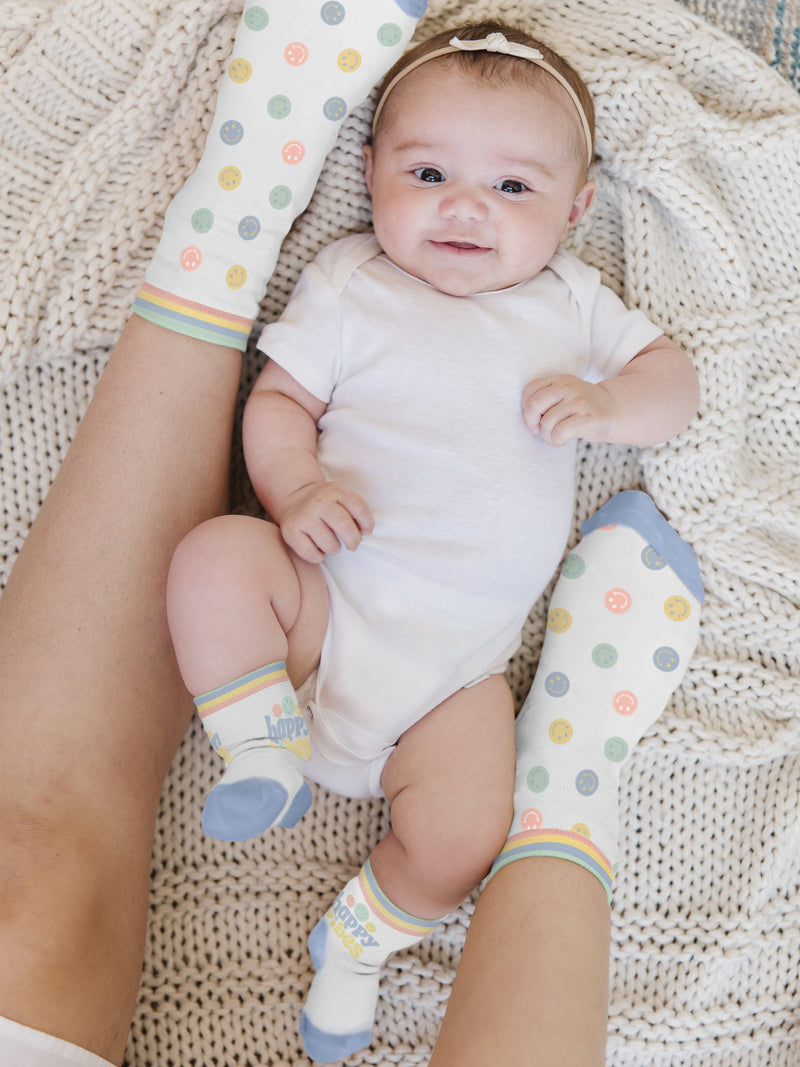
[104,105]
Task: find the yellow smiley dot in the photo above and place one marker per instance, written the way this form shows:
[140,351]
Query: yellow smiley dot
[236,277]
[230,177]
[677,608]
[240,70]
[560,731]
[559,620]
[582,829]
[349,60]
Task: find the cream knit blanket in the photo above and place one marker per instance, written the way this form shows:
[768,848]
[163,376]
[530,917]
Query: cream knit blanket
[103,107]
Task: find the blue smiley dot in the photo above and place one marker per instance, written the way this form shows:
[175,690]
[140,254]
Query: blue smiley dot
[538,779]
[616,749]
[666,659]
[556,684]
[231,132]
[280,197]
[573,567]
[332,13]
[389,34]
[652,559]
[256,18]
[587,783]
[334,108]
[604,656]
[249,228]
[202,220]
[279,107]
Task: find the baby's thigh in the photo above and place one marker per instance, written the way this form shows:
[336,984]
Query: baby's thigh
[451,778]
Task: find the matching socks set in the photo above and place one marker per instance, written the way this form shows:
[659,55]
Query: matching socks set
[624,616]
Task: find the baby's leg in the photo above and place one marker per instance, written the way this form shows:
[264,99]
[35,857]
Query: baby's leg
[450,784]
[246,616]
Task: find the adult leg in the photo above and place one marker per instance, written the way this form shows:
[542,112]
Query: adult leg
[544,924]
[93,706]
[621,630]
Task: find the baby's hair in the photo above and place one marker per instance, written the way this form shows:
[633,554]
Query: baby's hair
[497,68]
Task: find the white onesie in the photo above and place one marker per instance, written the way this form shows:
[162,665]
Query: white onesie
[472,510]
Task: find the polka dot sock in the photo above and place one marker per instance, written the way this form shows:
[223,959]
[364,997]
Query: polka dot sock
[298,68]
[622,627]
[255,724]
[348,947]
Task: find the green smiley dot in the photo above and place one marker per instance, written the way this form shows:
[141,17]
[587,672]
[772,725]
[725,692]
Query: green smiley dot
[280,197]
[538,779]
[202,220]
[279,107]
[616,749]
[573,566]
[256,18]
[389,34]
[604,656]
[361,912]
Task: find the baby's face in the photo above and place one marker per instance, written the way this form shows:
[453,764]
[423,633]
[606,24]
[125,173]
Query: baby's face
[473,185]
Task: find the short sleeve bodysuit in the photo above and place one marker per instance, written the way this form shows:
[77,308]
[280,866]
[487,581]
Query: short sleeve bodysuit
[472,510]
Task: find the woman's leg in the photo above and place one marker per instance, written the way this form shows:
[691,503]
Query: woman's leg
[92,704]
[532,986]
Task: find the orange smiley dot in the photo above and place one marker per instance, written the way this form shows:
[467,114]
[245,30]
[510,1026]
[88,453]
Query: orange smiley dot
[295,54]
[191,258]
[618,601]
[293,152]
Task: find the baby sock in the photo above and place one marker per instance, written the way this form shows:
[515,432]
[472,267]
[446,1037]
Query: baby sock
[348,947]
[622,626]
[255,724]
[298,68]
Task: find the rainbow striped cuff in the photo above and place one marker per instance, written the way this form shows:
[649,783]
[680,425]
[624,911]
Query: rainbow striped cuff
[389,913]
[254,682]
[559,844]
[193,320]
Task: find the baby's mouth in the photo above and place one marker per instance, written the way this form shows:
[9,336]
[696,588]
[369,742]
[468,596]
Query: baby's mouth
[460,247]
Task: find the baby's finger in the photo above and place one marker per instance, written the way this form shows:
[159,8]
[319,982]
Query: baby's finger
[359,511]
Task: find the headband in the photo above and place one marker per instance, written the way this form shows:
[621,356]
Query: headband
[495,42]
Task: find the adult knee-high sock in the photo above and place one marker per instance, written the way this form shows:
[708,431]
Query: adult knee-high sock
[622,627]
[298,68]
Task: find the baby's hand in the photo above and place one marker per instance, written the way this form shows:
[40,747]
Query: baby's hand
[564,407]
[321,517]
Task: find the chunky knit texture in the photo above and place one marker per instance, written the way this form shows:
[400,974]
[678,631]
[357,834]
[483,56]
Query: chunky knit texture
[104,107]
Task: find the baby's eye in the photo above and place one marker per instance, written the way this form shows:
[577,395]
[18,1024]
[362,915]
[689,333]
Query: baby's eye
[511,185]
[429,174]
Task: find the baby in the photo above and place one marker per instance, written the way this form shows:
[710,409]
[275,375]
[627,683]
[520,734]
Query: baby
[420,407]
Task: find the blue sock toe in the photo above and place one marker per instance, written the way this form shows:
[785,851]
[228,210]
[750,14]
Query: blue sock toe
[323,1047]
[241,810]
[415,8]
[298,807]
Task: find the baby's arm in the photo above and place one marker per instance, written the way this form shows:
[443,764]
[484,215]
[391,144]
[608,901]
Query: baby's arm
[654,397]
[280,446]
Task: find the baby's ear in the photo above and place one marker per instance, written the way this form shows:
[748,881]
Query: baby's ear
[581,204]
[366,152]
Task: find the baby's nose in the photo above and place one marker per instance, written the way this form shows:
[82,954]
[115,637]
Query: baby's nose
[465,204]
